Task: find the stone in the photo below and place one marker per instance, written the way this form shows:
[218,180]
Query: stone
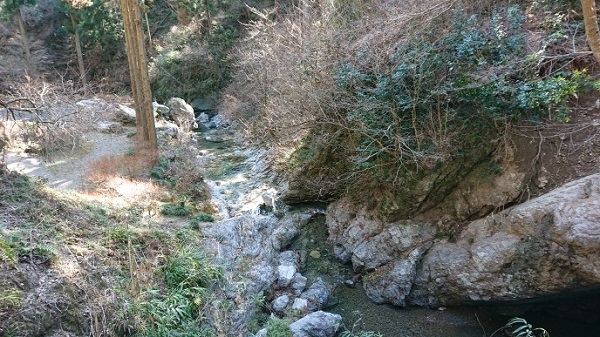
[317,295]
[160,110]
[280,303]
[317,324]
[288,258]
[203,118]
[125,115]
[285,274]
[109,127]
[394,286]
[315,254]
[298,284]
[544,246]
[300,304]
[166,129]
[182,114]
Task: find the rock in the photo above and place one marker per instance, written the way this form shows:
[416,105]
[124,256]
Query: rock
[393,286]
[317,295]
[261,333]
[544,246]
[371,242]
[288,258]
[298,284]
[285,274]
[203,118]
[280,303]
[167,129]
[317,324]
[160,110]
[182,114]
[300,304]
[125,115]
[109,127]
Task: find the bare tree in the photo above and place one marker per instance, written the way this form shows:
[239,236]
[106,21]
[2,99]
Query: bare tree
[591,26]
[138,70]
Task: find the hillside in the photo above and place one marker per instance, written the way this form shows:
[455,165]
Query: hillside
[437,154]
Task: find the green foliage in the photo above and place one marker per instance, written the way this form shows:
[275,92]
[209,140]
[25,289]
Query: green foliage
[475,73]
[277,327]
[200,217]
[9,7]
[175,209]
[176,311]
[121,236]
[189,268]
[7,252]
[11,298]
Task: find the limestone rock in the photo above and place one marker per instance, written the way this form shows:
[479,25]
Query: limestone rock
[300,304]
[182,114]
[298,284]
[317,295]
[125,115]
[280,303]
[544,246]
[285,274]
[394,285]
[317,324]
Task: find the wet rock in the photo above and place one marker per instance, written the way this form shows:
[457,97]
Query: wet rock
[182,114]
[203,118]
[317,295]
[317,324]
[544,246]
[393,286]
[280,303]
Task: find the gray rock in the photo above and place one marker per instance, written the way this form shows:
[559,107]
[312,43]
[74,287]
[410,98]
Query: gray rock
[288,258]
[300,304]
[160,110]
[285,274]
[125,115]
[317,324]
[109,127]
[203,118]
[280,303]
[167,129]
[182,114]
[317,295]
[544,246]
[395,285]
[298,284]
[371,242]
[261,333]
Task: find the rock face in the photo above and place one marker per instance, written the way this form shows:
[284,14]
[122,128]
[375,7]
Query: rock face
[544,246]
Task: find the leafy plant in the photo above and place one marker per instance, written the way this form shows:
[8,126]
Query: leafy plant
[200,217]
[277,327]
[356,330]
[175,209]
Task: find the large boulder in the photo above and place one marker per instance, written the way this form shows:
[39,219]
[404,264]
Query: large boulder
[182,114]
[371,242]
[544,246]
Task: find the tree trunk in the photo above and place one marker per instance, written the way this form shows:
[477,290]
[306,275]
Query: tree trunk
[29,66]
[140,83]
[591,27]
[80,63]
[208,19]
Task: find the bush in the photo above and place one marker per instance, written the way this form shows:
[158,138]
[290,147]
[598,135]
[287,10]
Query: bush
[175,209]
[278,328]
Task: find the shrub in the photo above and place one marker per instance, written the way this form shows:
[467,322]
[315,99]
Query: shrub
[278,328]
[175,209]
[201,217]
